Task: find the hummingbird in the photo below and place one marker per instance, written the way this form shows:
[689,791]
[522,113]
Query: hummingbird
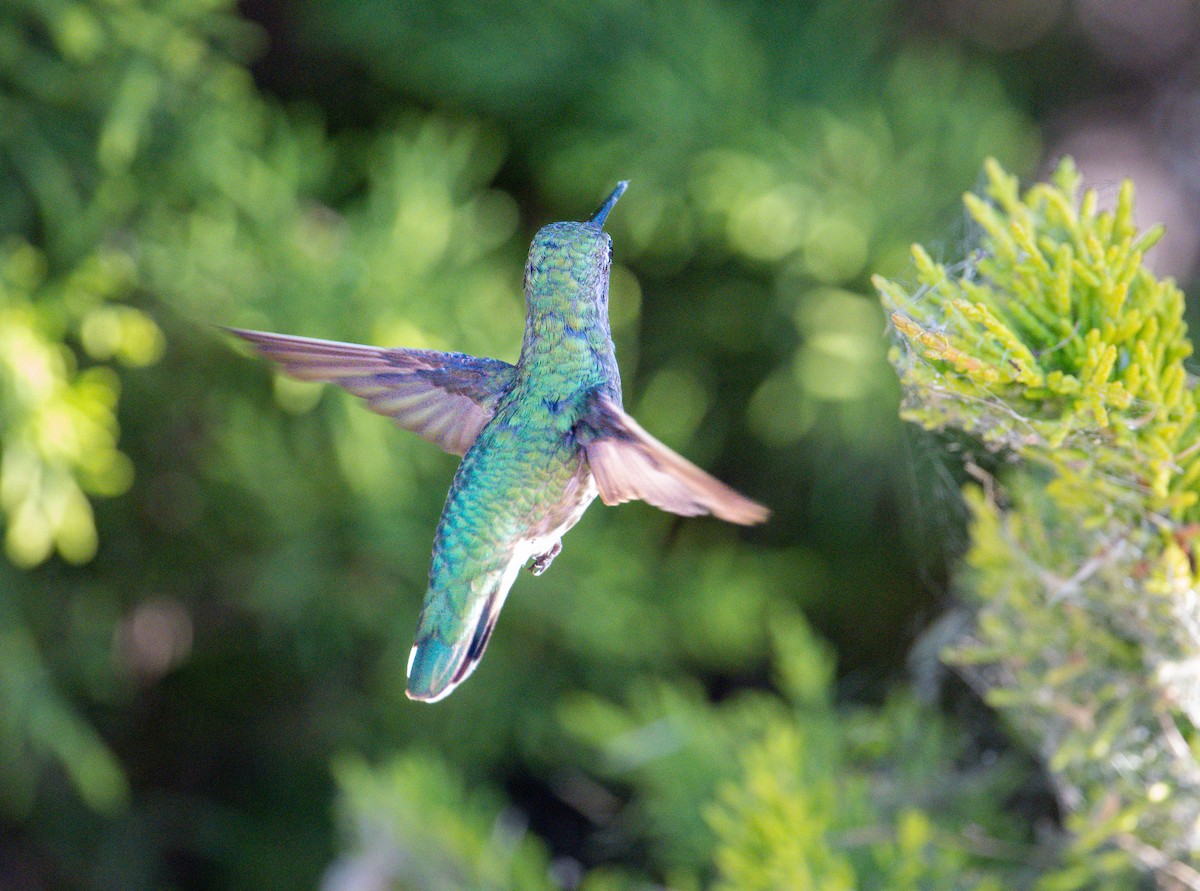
[539,441]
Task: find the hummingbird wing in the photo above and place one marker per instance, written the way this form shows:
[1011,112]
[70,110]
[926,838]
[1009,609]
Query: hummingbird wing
[628,463]
[445,398]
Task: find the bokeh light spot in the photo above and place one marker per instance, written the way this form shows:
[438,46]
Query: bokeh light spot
[769,226]
[296,397]
[778,413]
[154,638]
[835,249]
[673,404]
[625,298]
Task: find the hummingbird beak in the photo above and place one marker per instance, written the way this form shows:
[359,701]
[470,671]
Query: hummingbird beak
[599,216]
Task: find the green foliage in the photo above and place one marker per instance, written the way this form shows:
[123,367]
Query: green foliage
[37,722]
[106,105]
[763,792]
[1061,321]
[774,828]
[242,557]
[1059,346]
[414,825]
[757,792]
[60,428]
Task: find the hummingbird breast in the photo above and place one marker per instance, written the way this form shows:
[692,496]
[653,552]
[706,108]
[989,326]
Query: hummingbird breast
[580,491]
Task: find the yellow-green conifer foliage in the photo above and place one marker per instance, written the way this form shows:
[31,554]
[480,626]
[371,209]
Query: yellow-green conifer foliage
[1057,346]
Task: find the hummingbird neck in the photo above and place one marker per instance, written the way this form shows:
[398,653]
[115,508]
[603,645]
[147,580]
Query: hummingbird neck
[568,344]
[568,340]
[565,330]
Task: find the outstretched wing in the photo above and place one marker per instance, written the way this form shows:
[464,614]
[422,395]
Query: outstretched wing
[628,463]
[445,398]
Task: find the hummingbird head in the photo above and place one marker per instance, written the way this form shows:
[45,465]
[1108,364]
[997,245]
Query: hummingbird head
[568,267]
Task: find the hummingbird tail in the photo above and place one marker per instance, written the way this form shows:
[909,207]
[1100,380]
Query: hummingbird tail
[437,666]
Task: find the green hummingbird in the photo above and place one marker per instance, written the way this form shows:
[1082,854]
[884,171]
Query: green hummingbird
[539,440]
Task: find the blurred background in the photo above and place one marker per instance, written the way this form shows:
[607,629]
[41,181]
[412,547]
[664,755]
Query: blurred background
[211,575]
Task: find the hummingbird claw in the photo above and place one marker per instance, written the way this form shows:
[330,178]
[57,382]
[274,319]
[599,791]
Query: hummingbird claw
[542,561]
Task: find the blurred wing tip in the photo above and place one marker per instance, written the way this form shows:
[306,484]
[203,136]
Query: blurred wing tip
[247,333]
[748,513]
[263,342]
[246,336]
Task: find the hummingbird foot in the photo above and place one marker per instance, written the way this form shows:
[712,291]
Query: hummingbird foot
[542,561]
